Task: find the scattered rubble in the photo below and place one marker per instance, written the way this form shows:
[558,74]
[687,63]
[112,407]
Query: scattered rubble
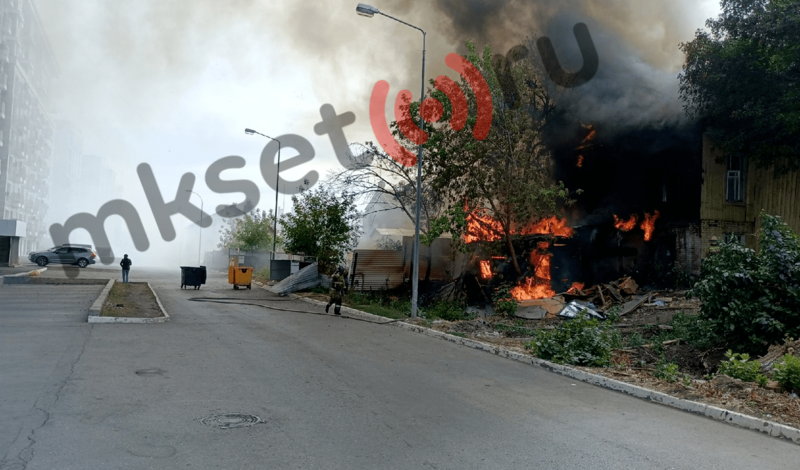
[574,308]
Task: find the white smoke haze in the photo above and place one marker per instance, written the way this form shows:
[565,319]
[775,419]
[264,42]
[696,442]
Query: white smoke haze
[173,84]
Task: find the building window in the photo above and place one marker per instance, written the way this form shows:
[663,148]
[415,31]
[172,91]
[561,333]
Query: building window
[734,237]
[735,184]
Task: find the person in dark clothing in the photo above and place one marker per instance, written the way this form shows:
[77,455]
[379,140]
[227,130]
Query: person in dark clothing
[338,286]
[126,267]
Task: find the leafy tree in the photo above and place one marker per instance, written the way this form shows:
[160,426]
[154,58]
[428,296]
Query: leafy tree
[323,225]
[743,76]
[504,181]
[373,174]
[753,300]
[250,232]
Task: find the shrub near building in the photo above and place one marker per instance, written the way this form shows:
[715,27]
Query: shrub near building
[753,300]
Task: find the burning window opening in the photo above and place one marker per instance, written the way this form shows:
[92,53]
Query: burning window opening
[626,225]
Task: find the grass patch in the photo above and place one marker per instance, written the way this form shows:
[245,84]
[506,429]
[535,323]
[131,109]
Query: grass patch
[262,275]
[379,304]
[515,329]
[131,300]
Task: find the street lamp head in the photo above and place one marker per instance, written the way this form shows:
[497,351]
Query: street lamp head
[249,131]
[366,10]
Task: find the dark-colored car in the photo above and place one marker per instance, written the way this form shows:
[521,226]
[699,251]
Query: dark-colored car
[82,255]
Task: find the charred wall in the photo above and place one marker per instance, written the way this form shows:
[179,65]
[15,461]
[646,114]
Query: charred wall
[625,174]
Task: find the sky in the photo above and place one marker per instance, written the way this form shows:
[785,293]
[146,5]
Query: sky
[173,84]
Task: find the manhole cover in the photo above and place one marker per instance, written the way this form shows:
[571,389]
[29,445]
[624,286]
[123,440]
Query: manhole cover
[231,420]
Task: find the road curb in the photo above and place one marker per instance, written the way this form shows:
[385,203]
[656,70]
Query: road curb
[731,417]
[29,273]
[97,307]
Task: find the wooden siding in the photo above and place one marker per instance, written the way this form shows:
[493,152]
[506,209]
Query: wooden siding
[774,195]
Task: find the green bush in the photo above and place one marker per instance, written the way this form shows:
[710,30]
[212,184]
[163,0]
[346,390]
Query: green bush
[739,366]
[446,310]
[692,329]
[504,302]
[762,380]
[666,370]
[753,300]
[787,372]
[581,341]
[635,340]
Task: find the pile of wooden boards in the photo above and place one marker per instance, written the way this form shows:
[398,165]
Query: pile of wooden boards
[603,295]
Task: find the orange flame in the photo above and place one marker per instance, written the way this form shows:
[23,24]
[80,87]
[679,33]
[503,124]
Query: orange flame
[552,225]
[576,286]
[585,143]
[482,228]
[626,225]
[538,286]
[531,291]
[580,161]
[486,269]
[649,225]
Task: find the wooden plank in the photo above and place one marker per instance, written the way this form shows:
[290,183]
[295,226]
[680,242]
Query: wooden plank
[633,304]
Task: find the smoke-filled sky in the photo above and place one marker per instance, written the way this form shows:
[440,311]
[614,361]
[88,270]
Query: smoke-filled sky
[174,83]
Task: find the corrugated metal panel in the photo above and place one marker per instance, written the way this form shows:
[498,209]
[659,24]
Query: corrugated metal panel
[376,269]
[306,278]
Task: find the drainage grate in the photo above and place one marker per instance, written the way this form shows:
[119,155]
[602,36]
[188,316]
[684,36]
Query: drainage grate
[231,420]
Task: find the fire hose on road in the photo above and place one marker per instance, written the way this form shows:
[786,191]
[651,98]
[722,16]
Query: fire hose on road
[238,301]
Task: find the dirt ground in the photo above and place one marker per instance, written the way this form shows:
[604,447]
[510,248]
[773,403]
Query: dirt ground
[131,300]
[722,392]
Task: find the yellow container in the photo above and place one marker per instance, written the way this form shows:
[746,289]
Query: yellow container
[240,276]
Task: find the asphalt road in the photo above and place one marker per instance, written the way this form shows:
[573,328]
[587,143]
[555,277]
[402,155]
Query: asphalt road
[331,392]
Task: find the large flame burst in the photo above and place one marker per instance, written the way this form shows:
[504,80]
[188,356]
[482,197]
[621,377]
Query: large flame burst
[481,227]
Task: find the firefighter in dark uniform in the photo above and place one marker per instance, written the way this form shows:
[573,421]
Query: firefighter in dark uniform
[338,286]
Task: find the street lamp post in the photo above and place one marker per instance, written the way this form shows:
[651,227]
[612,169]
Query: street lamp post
[370,11]
[277,182]
[200,226]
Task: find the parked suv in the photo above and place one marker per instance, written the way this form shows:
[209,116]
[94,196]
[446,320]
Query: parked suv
[82,255]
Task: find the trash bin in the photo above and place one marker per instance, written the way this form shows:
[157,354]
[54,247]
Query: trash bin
[240,276]
[193,276]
